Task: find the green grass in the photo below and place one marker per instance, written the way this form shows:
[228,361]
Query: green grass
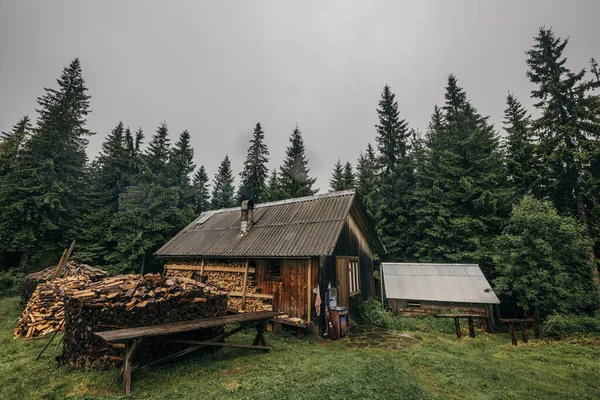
[440,366]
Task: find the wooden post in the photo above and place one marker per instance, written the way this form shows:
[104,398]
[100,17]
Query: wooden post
[513,335]
[245,285]
[471,327]
[536,329]
[127,368]
[55,273]
[202,268]
[457,326]
[524,331]
[309,290]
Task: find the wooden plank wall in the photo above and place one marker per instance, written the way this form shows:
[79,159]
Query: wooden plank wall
[291,292]
[436,307]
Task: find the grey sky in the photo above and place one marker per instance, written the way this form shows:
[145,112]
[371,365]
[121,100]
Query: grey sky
[217,68]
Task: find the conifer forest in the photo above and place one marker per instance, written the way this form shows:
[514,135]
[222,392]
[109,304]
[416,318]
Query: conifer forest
[522,199]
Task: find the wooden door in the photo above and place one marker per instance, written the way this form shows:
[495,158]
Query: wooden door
[342,281]
[292,297]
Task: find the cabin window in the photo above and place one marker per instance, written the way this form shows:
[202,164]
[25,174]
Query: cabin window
[274,270]
[354,276]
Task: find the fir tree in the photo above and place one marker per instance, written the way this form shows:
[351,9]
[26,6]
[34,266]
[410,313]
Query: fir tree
[521,163]
[337,179]
[42,211]
[201,191]
[181,161]
[348,178]
[294,180]
[254,175]
[366,177]
[568,128]
[157,154]
[11,145]
[392,132]
[273,190]
[223,190]
[461,189]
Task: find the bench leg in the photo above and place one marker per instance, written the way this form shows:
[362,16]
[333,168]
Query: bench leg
[125,372]
[260,330]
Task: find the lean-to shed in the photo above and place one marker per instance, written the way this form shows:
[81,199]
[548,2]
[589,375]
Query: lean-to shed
[415,288]
[290,248]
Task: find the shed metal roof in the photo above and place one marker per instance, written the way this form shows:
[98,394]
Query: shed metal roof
[457,283]
[301,227]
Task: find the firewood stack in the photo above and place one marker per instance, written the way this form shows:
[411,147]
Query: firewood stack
[72,268]
[130,301]
[44,312]
[230,282]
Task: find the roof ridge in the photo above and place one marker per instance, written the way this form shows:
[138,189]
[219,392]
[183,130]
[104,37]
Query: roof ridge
[287,201]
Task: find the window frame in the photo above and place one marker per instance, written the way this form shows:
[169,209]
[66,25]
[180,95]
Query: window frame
[269,264]
[353,276]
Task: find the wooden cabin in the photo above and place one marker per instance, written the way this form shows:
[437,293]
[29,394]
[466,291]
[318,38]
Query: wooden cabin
[417,288]
[287,250]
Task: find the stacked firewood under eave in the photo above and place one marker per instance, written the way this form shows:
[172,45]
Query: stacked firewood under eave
[130,301]
[72,268]
[228,281]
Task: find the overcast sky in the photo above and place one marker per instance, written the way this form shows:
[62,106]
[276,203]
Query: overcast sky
[216,68]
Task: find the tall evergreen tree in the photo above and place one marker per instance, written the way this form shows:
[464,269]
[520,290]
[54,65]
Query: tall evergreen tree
[342,178]
[294,180]
[396,177]
[201,191]
[366,178]
[568,128]
[461,190]
[181,161]
[11,145]
[348,178]
[273,190]
[337,177]
[255,173]
[223,190]
[42,212]
[157,154]
[521,163]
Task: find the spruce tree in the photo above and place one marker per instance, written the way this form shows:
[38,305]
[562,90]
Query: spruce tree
[337,177]
[294,180]
[42,213]
[348,178]
[201,191]
[11,145]
[461,195]
[157,154]
[396,178]
[568,129]
[223,190]
[366,178]
[255,172]
[521,163]
[181,161]
[273,190]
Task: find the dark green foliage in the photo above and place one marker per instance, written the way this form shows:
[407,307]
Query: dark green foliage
[568,128]
[542,260]
[461,184]
[254,175]
[181,161]
[11,145]
[557,325]
[223,190]
[366,178]
[521,158]
[41,206]
[396,179]
[201,191]
[157,155]
[10,282]
[337,180]
[273,191]
[348,179]
[294,180]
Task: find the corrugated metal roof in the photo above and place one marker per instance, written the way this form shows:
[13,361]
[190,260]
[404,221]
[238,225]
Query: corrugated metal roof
[459,283]
[301,227]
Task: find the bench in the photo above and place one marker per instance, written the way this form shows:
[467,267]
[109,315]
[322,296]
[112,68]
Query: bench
[132,337]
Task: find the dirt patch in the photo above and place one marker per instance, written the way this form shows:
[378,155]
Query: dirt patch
[362,336]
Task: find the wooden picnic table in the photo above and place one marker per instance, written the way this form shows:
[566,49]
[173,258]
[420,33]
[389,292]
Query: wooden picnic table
[134,336]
